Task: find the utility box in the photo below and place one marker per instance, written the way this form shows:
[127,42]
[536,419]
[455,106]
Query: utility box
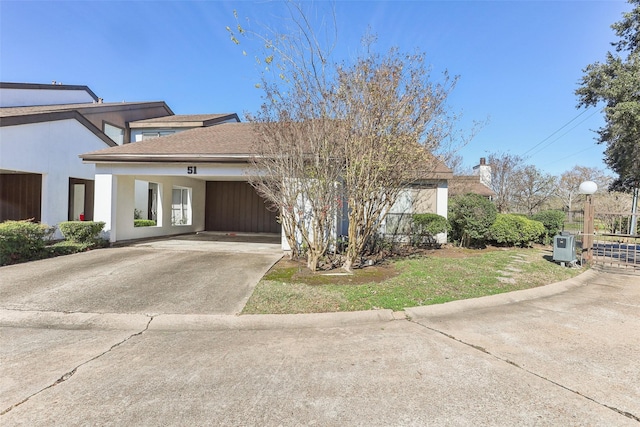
[564,248]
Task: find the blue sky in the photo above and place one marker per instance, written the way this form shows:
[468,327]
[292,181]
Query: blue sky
[519,62]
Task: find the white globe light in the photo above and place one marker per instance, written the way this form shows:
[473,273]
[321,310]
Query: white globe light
[588,187]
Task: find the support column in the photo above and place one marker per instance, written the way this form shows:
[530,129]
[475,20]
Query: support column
[105,206]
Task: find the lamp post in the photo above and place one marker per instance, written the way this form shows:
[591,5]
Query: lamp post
[588,188]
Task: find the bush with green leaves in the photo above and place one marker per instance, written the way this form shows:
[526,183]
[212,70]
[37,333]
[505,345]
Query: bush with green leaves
[515,230]
[425,227]
[470,216]
[144,223]
[553,221]
[81,231]
[23,241]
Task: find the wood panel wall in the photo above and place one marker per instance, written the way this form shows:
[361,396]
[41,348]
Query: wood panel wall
[20,196]
[235,206]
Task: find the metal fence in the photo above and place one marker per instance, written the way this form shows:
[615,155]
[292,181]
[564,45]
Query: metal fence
[614,246]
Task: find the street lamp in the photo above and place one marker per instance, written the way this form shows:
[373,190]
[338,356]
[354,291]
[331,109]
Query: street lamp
[588,188]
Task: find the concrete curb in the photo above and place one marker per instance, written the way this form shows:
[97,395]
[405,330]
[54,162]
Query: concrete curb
[75,321]
[500,299]
[176,322]
[199,322]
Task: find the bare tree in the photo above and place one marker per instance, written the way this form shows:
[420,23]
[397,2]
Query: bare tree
[394,117]
[297,167]
[504,168]
[569,182]
[611,207]
[532,189]
[367,129]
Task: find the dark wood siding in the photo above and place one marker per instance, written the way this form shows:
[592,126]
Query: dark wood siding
[20,196]
[235,206]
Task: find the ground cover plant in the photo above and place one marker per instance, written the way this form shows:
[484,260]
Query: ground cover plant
[430,277]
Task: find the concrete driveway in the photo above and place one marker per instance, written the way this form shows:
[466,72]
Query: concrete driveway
[566,354]
[193,274]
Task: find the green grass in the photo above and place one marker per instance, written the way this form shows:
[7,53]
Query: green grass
[416,281]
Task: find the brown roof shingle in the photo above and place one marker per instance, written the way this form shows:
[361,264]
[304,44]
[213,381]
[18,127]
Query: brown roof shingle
[227,140]
[185,120]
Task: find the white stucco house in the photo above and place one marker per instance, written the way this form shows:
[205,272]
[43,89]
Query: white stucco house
[115,162]
[43,129]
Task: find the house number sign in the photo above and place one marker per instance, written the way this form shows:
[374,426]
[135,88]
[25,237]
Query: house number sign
[192,170]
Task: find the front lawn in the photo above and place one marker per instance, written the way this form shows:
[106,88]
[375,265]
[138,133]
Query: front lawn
[433,277]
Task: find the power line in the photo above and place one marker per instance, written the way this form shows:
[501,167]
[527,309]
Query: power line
[562,127]
[569,156]
[554,140]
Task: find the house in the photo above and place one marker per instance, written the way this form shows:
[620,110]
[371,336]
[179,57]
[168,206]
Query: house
[478,183]
[73,156]
[43,129]
[197,180]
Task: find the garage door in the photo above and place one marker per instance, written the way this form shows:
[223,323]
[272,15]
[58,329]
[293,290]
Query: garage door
[235,206]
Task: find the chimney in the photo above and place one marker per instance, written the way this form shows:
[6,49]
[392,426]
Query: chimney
[483,170]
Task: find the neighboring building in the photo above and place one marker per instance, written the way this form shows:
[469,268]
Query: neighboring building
[478,183]
[43,130]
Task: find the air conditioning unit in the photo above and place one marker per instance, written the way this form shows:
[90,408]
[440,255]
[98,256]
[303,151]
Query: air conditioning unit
[564,248]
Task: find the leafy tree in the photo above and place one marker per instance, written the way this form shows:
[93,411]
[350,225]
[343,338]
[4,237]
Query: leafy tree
[616,83]
[470,216]
[503,170]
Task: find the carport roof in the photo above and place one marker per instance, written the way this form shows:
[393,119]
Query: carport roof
[226,141]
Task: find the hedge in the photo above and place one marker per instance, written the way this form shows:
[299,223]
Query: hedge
[81,231]
[515,230]
[23,241]
[470,216]
[553,221]
[144,223]
[426,226]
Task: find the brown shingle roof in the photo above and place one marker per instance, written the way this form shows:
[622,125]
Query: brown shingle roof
[185,120]
[464,184]
[224,141]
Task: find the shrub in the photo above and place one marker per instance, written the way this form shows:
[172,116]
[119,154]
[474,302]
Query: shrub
[426,226]
[144,223]
[470,216]
[22,241]
[553,220]
[515,230]
[81,231]
[67,248]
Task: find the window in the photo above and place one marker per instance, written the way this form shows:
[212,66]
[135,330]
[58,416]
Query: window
[114,132]
[181,206]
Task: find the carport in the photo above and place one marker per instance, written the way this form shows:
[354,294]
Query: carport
[188,182]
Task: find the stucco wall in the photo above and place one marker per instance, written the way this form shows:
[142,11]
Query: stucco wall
[116,208]
[50,149]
